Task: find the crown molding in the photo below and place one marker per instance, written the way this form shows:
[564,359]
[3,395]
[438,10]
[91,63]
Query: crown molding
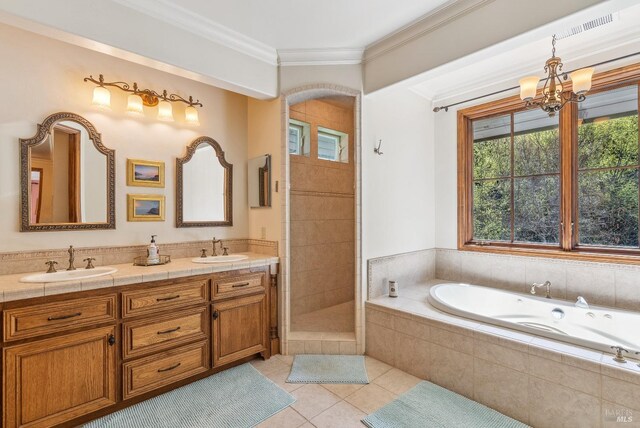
[440,16]
[608,47]
[340,56]
[187,20]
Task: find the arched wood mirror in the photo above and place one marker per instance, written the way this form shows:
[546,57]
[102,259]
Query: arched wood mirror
[67,177]
[204,191]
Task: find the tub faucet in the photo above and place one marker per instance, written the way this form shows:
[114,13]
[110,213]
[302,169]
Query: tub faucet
[581,303]
[546,285]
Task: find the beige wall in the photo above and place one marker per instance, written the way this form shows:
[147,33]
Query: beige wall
[322,215]
[265,136]
[295,76]
[40,76]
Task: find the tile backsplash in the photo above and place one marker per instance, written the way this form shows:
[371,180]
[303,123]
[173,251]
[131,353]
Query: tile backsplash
[34,261]
[406,268]
[606,284]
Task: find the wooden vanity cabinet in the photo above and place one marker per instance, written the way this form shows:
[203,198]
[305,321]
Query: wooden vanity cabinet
[70,358]
[239,328]
[51,381]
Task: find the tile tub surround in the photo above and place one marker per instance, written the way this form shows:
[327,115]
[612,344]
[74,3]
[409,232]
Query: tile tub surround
[538,381]
[33,261]
[12,289]
[604,284]
[406,269]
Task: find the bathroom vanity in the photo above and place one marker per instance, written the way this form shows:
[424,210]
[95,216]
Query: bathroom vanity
[74,356]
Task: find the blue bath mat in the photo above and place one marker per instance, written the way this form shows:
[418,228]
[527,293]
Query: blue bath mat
[235,398]
[429,405]
[328,369]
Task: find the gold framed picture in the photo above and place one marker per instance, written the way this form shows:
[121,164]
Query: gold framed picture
[145,207]
[144,173]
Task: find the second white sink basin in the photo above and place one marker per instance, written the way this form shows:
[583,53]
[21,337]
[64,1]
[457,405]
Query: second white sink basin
[69,275]
[220,259]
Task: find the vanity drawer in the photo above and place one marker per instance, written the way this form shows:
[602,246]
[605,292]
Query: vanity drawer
[239,285]
[149,373]
[38,320]
[160,333]
[148,301]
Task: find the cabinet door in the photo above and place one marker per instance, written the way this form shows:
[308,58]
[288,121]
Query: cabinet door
[54,380]
[240,328]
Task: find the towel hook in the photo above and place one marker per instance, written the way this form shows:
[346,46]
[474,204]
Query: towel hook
[377,150]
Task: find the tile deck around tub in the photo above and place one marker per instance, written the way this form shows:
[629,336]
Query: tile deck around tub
[12,289]
[539,381]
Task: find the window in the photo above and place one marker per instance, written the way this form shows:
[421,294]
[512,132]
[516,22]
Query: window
[299,138]
[565,185]
[516,178]
[333,145]
[608,169]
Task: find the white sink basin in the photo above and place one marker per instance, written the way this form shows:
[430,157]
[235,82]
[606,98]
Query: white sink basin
[69,275]
[220,259]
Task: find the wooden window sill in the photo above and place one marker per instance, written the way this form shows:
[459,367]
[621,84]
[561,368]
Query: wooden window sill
[590,255]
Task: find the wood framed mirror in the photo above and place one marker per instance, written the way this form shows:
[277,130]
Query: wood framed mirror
[67,177]
[204,186]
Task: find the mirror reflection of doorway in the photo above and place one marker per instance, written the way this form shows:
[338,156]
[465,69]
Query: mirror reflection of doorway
[56,198]
[36,191]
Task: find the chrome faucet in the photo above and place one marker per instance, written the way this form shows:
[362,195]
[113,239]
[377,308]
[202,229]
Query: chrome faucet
[215,241]
[72,257]
[546,285]
[581,303]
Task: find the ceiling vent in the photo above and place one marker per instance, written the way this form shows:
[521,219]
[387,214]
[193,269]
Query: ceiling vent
[589,25]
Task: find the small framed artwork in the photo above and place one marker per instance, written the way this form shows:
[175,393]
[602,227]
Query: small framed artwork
[145,207]
[145,173]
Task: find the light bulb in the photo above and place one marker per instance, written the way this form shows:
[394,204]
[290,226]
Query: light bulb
[165,111]
[581,80]
[528,87]
[134,105]
[101,97]
[191,115]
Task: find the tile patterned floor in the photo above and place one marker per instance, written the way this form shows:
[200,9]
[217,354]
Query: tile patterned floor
[333,405]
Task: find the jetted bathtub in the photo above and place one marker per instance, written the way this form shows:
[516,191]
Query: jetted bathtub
[596,327]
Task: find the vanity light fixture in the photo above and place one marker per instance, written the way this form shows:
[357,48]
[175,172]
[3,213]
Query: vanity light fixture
[102,97]
[165,111]
[147,97]
[134,104]
[553,96]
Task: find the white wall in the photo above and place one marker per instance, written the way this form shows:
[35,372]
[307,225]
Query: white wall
[41,76]
[397,187]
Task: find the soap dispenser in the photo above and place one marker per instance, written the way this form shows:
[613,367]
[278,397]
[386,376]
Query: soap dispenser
[153,251]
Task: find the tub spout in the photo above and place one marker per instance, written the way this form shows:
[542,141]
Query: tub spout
[581,303]
[546,285]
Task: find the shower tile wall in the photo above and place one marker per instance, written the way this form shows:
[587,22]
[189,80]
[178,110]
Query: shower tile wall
[322,215]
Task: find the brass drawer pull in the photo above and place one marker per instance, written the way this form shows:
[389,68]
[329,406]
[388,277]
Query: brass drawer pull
[64,317]
[169,368]
[164,299]
[169,331]
[244,284]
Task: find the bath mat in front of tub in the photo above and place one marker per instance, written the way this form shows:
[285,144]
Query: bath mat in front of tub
[328,369]
[238,397]
[430,405]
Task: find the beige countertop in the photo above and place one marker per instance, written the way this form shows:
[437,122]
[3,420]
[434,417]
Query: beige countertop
[12,289]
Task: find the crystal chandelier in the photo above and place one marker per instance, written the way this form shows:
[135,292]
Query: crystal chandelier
[553,96]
